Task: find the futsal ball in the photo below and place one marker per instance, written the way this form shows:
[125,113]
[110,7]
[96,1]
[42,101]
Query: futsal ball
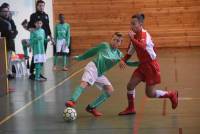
[69,114]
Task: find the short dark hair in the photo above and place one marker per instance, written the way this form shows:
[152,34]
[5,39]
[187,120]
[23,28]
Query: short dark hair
[6,5]
[118,34]
[38,19]
[2,7]
[39,1]
[61,14]
[139,16]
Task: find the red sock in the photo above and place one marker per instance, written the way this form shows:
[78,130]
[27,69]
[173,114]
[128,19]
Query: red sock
[131,99]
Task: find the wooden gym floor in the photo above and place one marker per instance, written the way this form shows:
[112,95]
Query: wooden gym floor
[36,108]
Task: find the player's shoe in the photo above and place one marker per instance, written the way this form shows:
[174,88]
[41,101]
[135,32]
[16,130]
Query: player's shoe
[127,111]
[42,76]
[39,79]
[70,104]
[174,99]
[65,69]
[55,68]
[93,111]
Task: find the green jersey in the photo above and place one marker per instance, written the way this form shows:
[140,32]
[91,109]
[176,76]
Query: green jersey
[37,39]
[105,57]
[62,31]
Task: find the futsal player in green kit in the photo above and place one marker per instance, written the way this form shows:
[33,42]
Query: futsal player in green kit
[37,39]
[62,38]
[106,56]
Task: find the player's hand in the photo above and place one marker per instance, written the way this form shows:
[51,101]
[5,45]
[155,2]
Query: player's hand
[31,29]
[131,34]
[122,64]
[52,41]
[49,39]
[24,41]
[75,58]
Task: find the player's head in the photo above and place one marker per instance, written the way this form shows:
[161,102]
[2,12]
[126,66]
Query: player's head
[4,12]
[38,23]
[40,4]
[5,5]
[116,40]
[137,22]
[61,18]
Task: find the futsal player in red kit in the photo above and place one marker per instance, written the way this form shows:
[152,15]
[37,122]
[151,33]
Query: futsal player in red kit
[148,71]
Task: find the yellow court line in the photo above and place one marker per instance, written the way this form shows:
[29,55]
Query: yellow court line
[37,98]
[188,98]
[180,99]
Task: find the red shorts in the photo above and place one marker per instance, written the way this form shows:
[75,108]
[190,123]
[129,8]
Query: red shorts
[149,72]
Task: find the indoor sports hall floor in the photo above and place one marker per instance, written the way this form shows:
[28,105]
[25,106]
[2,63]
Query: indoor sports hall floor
[36,108]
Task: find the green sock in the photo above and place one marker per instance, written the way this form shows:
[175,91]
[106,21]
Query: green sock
[25,49]
[64,60]
[77,92]
[100,99]
[55,59]
[37,70]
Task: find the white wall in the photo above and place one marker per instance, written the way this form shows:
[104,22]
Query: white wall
[23,9]
[49,11]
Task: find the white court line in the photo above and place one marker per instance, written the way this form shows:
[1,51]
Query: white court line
[37,98]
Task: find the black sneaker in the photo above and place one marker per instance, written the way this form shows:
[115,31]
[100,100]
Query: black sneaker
[41,76]
[10,77]
[32,77]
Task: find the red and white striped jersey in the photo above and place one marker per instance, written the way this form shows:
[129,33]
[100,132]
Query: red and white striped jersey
[144,47]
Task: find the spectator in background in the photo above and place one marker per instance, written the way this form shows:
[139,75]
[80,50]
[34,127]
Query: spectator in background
[13,26]
[62,37]
[37,39]
[25,42]
[9,33]
[39,14]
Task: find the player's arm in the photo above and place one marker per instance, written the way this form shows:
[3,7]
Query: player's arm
[138,43]
[32,39]
[68,35]
[91,52]
[133,64]
[48,27]
[31,23]
[130,52]
[55,33]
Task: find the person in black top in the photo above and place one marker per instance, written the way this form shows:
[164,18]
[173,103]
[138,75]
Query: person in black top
[9,31]
[11,42]
[39,14]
